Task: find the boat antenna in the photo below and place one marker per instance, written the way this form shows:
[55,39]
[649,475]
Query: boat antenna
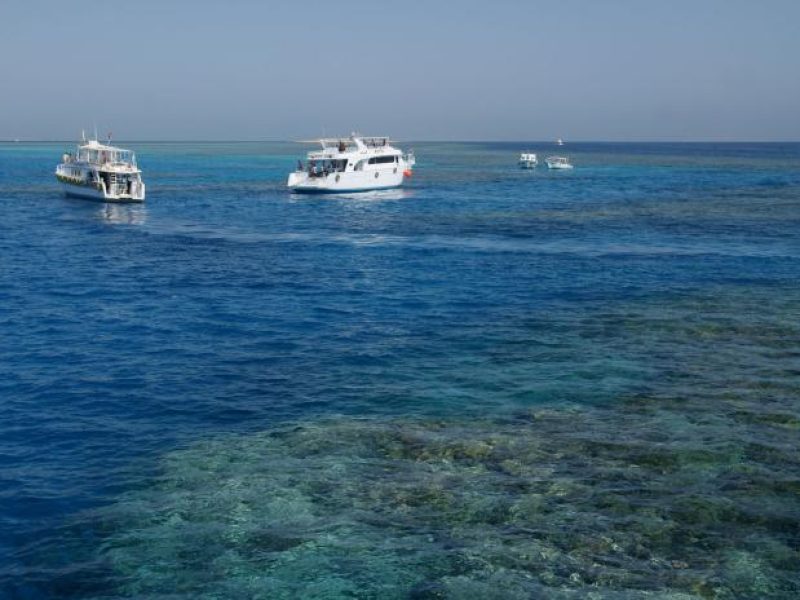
[95,132]
[83,135]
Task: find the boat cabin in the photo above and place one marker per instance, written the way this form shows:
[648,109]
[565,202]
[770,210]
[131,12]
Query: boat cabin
[357,163]
[100,154]
[340,155]
[95,153]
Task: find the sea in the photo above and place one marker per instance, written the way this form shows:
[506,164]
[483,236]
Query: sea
[492,383]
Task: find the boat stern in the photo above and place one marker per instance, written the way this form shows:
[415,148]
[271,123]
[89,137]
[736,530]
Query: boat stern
[297,179]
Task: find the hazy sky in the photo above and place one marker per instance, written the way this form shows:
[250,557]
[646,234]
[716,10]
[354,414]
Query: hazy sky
[489,70]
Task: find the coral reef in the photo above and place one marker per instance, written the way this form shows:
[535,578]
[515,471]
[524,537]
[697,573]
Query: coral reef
[570,503]
[687,487]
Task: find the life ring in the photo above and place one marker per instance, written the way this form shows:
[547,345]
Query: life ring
[376,175]
[395,171]
[338,177]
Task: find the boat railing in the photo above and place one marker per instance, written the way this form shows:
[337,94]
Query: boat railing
[375,142]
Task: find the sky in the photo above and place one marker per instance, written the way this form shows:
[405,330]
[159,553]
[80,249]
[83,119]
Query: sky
[614,70]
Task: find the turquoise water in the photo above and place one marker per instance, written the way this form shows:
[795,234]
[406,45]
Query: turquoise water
[493,383]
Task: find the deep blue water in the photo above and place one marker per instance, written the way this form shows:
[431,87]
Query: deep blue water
[226,305]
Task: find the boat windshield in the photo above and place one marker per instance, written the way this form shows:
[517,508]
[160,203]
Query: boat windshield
[106,155]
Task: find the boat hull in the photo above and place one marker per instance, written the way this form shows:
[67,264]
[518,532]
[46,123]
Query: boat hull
[90,193]
[346,183]
[317,190]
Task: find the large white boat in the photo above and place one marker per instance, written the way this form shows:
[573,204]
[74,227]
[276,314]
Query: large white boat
[353,164]
[528,160]
[101,172]
[558,162]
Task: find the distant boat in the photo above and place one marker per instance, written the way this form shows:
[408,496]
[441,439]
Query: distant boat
[355,164]
[559,142]
[558,162]
[528,160]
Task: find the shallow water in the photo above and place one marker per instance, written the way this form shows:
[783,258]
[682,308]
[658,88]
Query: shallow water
[493,381]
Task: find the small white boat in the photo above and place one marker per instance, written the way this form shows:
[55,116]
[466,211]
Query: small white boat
[353,164]
[558,162]
[528,160]
[559,142]
[101,172]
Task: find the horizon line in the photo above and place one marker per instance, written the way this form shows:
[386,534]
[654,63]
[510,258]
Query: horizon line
[425,141]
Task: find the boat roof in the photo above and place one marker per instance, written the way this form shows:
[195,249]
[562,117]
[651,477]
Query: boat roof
[350,146]
[361,142]
[96,145]
[347,138]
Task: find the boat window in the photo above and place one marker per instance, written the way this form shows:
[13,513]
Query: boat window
[379,160]
[317,167]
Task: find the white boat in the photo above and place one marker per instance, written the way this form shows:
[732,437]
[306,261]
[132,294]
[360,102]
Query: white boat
[528,160]
[101,172]
[559,142]
[558,162]
[353,164]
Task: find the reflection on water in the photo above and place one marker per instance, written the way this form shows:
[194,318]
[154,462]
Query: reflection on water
[123,214]
[369,196]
